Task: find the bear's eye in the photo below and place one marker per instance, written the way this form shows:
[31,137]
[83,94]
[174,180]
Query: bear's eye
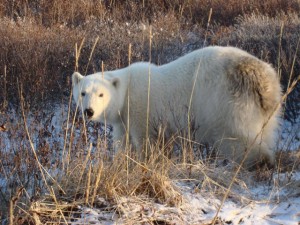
[101,95]
[82,94]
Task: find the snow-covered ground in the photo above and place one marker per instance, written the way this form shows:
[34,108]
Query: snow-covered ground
[265,204]
[289,136]
[273,202]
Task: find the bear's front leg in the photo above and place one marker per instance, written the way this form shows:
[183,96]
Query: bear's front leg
[119,138]
[140,144]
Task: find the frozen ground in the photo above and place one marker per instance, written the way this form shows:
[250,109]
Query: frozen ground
[263,204]
[289,136]
[273,202]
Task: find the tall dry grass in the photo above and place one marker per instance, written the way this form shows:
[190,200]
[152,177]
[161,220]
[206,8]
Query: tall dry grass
[77,12]
[38,37]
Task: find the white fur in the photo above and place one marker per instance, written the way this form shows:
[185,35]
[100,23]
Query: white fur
[228,95]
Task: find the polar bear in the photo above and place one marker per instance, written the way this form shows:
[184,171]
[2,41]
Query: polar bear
[229,98]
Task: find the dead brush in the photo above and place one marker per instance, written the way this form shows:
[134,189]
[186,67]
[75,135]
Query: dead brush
[123,177]
[114,184]
[119,184]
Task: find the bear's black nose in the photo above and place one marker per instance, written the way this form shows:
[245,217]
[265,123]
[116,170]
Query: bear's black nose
[89,112]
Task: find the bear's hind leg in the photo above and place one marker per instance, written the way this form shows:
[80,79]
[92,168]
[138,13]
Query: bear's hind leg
[236,149]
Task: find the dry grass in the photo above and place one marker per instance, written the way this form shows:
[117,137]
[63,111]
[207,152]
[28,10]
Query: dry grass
[116,184]
[38,37]
[77,12]
[130,191]
[92,177]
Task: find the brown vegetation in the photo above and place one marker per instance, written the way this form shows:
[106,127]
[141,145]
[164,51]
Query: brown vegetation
[38,37]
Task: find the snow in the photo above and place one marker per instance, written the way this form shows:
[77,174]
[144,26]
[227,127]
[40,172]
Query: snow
[200,208]
[276,202]
[290,135]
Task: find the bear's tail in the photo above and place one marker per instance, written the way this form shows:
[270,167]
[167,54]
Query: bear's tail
[255,79]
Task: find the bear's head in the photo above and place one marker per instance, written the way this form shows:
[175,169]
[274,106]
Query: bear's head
[96,96]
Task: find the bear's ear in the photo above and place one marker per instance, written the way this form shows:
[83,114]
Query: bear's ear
[115,82]
[76,77]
